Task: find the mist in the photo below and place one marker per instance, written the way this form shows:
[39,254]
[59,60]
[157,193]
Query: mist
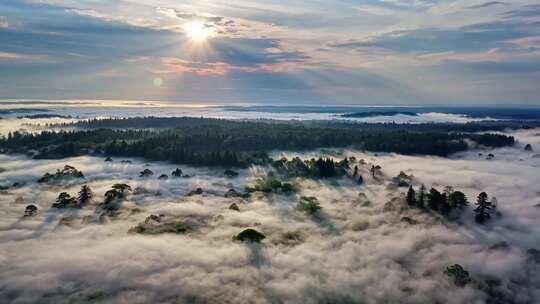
[358,251]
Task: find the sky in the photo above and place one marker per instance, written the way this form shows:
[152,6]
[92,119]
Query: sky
[273,52]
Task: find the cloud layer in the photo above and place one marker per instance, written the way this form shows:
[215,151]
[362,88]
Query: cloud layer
[359,251]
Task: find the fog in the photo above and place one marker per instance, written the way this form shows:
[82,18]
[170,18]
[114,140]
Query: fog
[17,122]
[358,251]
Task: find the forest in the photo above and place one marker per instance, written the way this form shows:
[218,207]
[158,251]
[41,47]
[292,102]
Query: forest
[218,142]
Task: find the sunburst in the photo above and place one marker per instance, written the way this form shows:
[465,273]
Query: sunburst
[198,31]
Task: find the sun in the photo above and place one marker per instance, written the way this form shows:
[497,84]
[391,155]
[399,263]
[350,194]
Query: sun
[198,31]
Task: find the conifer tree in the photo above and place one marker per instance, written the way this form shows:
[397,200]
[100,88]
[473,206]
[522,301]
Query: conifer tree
[483,209]
[411,197]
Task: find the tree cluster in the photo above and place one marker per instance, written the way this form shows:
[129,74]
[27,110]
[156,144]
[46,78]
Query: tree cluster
[216,142]
[450,200]
[315,168]
[443,203]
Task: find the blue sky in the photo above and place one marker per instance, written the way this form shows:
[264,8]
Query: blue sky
[354,52]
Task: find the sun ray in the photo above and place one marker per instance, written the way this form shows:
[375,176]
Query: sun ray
[198,31]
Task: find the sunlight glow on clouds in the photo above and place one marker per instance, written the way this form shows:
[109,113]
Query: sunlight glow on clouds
[198,30]
[452,40]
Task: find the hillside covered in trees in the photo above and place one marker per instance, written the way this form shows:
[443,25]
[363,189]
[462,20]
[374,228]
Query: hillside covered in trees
[204,141]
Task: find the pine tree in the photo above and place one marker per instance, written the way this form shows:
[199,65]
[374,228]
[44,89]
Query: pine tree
[444,207]
[421,196]
[360,180]
[411,197]
[85,195]
[483,208]
[434,199]
[457,199]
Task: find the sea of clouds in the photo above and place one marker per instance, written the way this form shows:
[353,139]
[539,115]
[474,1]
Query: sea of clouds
[358,251]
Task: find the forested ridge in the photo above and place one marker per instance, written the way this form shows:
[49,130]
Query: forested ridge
[174,122]
[207,141]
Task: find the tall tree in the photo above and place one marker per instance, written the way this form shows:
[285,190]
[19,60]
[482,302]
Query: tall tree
[355,173]
[411,197]
[483,208]
[444,206]
[421,196]
[457,199]
[64,200]
[85,195]
[123,188]
[434,199]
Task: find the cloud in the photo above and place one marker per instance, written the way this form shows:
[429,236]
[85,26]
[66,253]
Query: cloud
[491,67]
[10,56]
[532,10]
[359,252]
[485,4]
[175,65]
[3,23]
[220,24]
[471,38]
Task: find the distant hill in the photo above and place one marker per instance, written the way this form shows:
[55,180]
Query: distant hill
[377,113]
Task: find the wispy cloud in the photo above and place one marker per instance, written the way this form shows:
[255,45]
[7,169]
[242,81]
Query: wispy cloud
[3,22]
[485,4]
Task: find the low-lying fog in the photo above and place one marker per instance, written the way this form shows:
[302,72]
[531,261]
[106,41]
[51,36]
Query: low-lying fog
[358,251]
[17,121]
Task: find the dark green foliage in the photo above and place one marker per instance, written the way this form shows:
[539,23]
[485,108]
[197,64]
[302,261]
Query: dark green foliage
[234,207]
[154,224]
[457,199]
[65,200]
[409,220]
[420,202]
[234,193]
[378,113]
[458,274]
[314,168]
[123,188]
[145,173]
[287,188]
[30,210]
[438,202]
[249,235]
[271,184]
[483,208]
[373,171]
[411,197]
[112,195]
[177,173]
[68,172]
[309,205]
[402,180]
[108,159]
[197,191]
[204,141]
[435,199]
[85,195]
[443,203]
[118,191]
